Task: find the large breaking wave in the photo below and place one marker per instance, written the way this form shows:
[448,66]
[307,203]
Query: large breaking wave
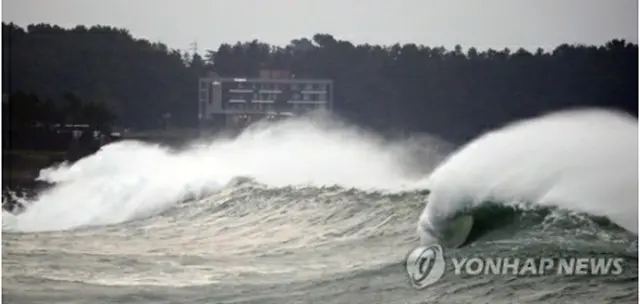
[130,180]
[579,160]
[582,160]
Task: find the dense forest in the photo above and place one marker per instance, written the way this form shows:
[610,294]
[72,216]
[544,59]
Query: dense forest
[35,123]
[453,93]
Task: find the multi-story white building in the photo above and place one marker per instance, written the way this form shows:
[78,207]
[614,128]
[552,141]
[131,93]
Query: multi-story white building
[236,102]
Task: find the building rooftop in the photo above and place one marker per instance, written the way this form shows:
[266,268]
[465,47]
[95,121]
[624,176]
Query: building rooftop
[272,76]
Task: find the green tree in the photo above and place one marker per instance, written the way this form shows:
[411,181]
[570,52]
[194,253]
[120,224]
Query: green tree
[452,93]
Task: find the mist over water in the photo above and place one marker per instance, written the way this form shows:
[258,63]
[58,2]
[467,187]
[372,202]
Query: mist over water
[129,179]
[581,160]
[185,225]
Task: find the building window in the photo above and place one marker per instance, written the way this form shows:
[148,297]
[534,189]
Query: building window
[237,96]
[322,96]
[305,97]
[294,86]
[308,87]
[203,85]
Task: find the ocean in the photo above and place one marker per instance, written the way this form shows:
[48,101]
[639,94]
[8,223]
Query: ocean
[313,210]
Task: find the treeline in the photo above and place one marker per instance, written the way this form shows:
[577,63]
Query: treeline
[27,110]
[453,93]
[29,122]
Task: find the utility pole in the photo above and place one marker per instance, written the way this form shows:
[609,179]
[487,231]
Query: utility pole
[194,47]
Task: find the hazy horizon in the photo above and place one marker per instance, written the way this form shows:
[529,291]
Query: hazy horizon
[481,24]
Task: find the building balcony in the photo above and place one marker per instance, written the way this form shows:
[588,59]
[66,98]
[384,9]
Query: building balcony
[307,101]
[241,90]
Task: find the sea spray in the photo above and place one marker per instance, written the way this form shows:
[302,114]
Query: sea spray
[130,180]
[584,160]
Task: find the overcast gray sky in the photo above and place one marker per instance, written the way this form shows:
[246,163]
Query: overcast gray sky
[480,23]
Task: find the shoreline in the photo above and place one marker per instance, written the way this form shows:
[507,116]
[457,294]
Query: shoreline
[20,171]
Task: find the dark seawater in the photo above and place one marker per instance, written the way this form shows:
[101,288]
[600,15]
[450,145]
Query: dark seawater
[255,244]
[140,223]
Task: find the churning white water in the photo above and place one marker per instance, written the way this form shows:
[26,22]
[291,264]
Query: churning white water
[129,180]
[582,160]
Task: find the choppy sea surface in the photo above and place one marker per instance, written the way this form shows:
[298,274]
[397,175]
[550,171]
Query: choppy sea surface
[303,211]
